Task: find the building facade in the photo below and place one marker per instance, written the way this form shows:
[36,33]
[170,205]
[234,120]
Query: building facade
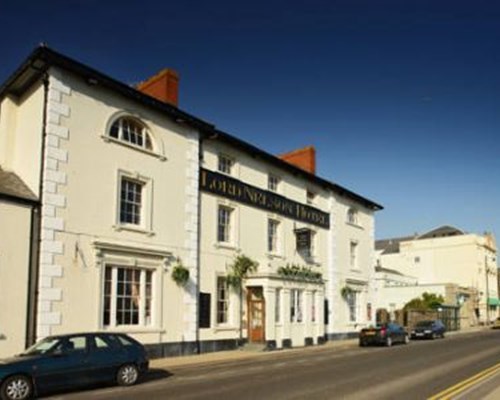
[133,190]
[445,256]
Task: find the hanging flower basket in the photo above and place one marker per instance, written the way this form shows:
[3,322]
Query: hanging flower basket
[180,274]
[346,291]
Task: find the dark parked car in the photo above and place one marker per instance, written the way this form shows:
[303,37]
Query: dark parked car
[428,329]
[385,334]
[67,361]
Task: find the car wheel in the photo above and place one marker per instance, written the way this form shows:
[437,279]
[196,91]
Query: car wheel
[388,342]
[17,387]
[127,375]
[407,339]
[362,344]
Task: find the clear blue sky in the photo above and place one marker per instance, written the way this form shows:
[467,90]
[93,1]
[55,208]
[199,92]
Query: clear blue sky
[401,98]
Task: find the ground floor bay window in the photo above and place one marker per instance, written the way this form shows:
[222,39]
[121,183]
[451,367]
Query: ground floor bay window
[128,295]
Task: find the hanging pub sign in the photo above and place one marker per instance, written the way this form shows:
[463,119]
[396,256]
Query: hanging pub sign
[228,187]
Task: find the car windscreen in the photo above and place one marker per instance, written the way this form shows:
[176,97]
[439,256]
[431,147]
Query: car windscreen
[42,347]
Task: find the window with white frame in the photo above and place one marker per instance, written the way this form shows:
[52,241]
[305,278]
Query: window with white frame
[305,243]
[273,183]
[353,254]
[313,307]
[224,224]
[296,297]
[277,307]
[352,303]
[131,201]
[128,296]
[310,197]
[352,216]
[131,131]
[222,300]
[225,164]
[272,235]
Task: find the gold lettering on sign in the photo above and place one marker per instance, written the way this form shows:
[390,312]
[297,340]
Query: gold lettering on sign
[234,189]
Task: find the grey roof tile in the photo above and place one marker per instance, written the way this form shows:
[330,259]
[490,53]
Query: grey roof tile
[13,186]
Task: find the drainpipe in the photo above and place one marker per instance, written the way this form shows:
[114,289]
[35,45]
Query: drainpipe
[198,253]
[36,234]
[33,276]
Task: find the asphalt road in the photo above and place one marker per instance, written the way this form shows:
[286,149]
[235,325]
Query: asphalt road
[415,371]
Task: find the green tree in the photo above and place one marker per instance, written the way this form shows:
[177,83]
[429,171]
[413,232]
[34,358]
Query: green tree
[427,301]
[240,269]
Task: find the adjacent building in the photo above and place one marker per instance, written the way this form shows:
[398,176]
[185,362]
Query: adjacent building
[460,266]
[18,246]
[129,189]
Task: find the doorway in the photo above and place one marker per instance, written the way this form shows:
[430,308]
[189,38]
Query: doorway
[256,314]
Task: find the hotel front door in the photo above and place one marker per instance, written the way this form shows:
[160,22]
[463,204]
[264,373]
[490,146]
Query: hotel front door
[256,314]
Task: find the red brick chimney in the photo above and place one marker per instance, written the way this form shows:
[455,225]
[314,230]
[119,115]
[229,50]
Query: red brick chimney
[164,86]
[304,158]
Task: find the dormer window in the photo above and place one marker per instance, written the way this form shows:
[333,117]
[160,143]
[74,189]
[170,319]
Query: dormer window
[131,131]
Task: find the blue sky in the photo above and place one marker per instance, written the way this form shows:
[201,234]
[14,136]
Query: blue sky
[400,98]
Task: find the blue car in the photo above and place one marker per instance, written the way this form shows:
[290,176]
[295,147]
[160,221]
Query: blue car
[428,329]
[385,334]
[68,361]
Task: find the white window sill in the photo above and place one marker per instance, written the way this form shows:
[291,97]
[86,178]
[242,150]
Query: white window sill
[133,228]
[224,245]
[354,225]
[133,329]
[274,255]
[225,328]
[108,139]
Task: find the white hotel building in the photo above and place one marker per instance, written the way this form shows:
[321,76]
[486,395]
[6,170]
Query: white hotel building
[127,188]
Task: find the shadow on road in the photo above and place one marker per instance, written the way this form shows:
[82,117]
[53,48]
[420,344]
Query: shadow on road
[154,374]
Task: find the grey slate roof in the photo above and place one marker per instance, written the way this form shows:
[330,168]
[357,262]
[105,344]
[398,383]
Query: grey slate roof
[391,246]
[387,270]
[442,231]
[13,186]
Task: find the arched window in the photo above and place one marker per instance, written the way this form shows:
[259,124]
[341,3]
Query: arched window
[131,131]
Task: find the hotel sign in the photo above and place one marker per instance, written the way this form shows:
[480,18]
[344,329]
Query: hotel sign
[230,188]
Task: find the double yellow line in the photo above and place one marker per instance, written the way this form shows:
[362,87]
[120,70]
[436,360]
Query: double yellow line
[464,385]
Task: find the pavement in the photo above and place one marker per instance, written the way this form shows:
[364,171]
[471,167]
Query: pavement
[243,354]
[240,354]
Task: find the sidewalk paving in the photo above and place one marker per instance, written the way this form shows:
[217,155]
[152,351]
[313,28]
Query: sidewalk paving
[242,354]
